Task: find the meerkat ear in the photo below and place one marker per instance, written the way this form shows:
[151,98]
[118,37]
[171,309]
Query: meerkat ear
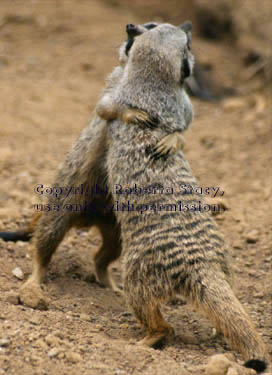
[186,26]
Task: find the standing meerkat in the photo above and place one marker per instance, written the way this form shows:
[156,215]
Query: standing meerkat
[84,165]
[170,245]
[108,110]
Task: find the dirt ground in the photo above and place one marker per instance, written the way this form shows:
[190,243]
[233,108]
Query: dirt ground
[54,57]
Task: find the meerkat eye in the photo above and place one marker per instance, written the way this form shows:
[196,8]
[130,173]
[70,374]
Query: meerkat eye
[189,39]
[129,44]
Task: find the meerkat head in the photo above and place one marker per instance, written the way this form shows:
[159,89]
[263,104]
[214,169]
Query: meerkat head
[132,32]
[164,50]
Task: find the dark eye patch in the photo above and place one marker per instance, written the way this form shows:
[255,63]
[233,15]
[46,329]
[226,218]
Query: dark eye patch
[186,68]
[189,39]
[129,44]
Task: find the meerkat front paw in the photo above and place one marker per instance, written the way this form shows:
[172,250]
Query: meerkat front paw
[138,116]
[168,145]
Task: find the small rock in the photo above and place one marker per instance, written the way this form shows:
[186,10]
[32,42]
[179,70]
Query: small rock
[232,371]
[211,351]
[218,365]
[73,357]
[236,369]
[84,317]
[17,272]
[237,245]
[259,294]
[230,356]
[53,352]
[234,104]
[12,298]
[34,359]
[189,339]
[51,340]
[252,237]
[20,244]
[35,321]
[40,343]
[4,343]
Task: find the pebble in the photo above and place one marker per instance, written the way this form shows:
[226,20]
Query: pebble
[237,245]
[218,365]
[232,371]
[189,339]
[17,272]
[4,343]
[20,244]
[40,343]
[53,352]
[34,359]
[85,317]
[51,340]
[35,321]
[234,104]
[211,351]
[12,298]
[73,357]
[252,237]
[223,364]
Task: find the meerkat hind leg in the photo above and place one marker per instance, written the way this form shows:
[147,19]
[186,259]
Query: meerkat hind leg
[109,251]
[30,292]
[158,330]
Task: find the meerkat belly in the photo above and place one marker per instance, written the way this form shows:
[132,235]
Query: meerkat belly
[163,219]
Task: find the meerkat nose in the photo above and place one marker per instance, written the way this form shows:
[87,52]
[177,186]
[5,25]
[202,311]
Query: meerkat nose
[131,27]
[132,30]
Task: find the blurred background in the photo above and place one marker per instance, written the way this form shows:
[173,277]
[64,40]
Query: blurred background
[54,58]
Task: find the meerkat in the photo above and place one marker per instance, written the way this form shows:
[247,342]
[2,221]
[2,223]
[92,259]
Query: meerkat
[107,110]
[84,165]
[170,245]
[161,275]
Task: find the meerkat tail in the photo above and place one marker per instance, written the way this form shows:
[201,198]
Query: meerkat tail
[24,234]
[225,311]
[20,235]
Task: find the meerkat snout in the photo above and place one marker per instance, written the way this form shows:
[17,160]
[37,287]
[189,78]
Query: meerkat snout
[132,30]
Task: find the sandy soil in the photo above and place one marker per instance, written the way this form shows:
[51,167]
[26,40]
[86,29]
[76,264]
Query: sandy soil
[54,57]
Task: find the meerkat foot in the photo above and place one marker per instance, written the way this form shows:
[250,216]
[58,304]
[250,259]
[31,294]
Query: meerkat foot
[137,116]
[168,145]
[31,295]
[104,279]
[157,340]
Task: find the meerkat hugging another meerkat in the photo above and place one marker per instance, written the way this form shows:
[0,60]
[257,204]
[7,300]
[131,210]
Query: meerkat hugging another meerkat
[166,252]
